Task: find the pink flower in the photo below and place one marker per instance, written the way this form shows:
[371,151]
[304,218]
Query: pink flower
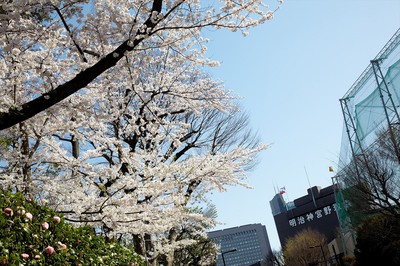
[57,219]
[25,256]
[37,257]
[62,246]
[29,216]
[9,211]
[50,250]
[45,226]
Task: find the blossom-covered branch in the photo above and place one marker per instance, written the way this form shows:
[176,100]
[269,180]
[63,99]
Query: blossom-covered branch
[42,51]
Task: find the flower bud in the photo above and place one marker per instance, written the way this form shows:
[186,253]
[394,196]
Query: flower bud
[57,219]
[29,216]
[62,246]
[49,250]
[9,211]
[45,226]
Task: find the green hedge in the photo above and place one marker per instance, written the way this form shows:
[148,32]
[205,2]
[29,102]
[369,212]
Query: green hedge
[35,235]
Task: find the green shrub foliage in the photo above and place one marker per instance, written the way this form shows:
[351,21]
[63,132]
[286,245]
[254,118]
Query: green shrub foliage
[35,235]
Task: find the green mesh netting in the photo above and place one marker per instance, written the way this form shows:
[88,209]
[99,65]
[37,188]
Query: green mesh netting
[370,113]
[364,117]
[341,209]
[369,116]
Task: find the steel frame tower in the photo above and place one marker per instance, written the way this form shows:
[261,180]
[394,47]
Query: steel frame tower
[391,114]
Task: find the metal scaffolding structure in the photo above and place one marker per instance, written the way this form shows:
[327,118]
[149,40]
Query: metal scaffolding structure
[357,146]
[390,46]
[374,96]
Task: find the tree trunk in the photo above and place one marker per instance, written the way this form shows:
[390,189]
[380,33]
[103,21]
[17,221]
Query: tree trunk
[26,168]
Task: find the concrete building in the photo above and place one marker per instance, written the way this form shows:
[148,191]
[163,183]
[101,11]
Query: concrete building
[242,246]
[316,210]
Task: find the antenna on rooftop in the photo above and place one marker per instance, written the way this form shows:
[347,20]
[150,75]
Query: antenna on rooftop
[309,184]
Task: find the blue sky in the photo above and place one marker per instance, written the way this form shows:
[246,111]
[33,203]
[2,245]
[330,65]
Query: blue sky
[291,73]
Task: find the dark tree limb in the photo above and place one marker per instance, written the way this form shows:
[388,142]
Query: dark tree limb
[47,100]
[21,113]
[70,33]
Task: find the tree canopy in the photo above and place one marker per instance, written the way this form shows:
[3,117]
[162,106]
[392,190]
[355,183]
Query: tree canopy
[378,241]
[52,49]
[111,120]
[372,179]
[306,247]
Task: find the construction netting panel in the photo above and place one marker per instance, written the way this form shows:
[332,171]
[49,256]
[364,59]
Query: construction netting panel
[370,112]
[365,107]
[364,120]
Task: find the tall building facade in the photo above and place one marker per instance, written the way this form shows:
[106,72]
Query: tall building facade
[242,246]
[316,210]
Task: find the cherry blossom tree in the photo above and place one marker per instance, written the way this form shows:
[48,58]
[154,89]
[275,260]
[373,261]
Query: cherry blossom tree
[53,48]
[150,148]
[126,131]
